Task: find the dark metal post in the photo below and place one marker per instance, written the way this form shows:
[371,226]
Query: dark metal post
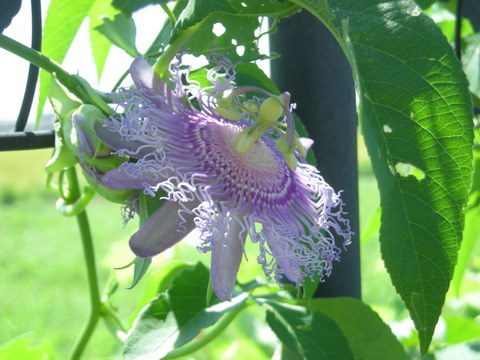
[313,68]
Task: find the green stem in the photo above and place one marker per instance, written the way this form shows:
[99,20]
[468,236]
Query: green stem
[209,336]
[74,83]
[89,254]
[169,13]
[161,66]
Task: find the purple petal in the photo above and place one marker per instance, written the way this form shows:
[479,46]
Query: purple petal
[226,258]
[145,77]
[117,179]
[134,148]
[161,231]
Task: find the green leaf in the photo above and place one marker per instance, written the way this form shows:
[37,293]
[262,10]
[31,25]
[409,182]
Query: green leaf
[130,6]
[249,74]
[238,19]
[21,348]
[63,20]
[121,31]
[141,266]
[316,337]
[373,225]
[415,113]
[100,44]
[470,237]
[174,318]
[461,329]
[368,336]
[159,281]
[62,102]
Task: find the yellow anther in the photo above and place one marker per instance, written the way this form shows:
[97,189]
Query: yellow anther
[251,106]
[283,146]
[270,110]
[291,161]
[246,139]
[228,113]
[224,102]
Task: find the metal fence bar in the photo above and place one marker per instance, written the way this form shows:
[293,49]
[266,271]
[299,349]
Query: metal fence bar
[314,69]
[28,140]
[33,70]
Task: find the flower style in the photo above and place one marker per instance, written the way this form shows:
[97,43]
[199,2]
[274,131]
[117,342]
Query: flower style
[228,170]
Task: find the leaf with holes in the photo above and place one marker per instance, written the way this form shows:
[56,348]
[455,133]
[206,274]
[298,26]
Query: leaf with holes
[416,119]
[228,27]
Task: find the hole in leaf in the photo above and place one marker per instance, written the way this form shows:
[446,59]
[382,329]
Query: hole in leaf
[240,50]
[218,29]
[387,129]
[234,42]
[243,4]
[404,169]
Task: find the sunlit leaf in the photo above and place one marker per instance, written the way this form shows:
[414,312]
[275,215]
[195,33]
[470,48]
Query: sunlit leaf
[22,348]
[416,111]
[100,45]
[461,329]
[130,6]
[470,237]
[121,32]
[63,20]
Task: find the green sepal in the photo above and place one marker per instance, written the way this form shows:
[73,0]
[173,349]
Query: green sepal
[112,195]
[62,102]
[141,266]
[62,157]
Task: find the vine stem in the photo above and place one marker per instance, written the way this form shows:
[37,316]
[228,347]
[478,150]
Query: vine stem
[161,66]
[89,254]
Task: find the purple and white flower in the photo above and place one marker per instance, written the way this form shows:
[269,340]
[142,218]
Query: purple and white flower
[228,191]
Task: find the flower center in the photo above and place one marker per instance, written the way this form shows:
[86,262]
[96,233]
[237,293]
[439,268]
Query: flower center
[258,158]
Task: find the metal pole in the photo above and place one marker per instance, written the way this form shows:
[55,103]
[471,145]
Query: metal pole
[313,68]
